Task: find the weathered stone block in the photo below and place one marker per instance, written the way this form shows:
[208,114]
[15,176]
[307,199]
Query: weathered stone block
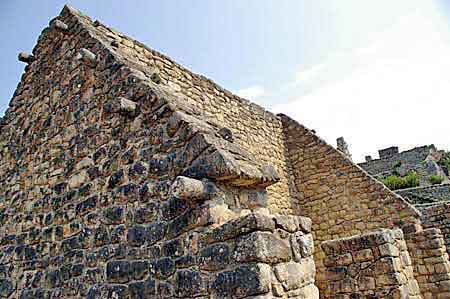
[114,215]
[294,275]
[149,234]
[215,257]
[25,57]
[302,245]
[59,25]
[162,268]
[239,226]
[173,248]
[6,288]
[87,57]
[262,247]
[246,280]
[190,284]
[118,271]
[143,289]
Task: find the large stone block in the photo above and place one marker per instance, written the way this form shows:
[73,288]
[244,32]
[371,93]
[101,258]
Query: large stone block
[294,275]
[246,280]
[190,284]
[262,247]
[118,271]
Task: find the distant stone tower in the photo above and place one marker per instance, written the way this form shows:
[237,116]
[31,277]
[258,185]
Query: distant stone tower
[343,147]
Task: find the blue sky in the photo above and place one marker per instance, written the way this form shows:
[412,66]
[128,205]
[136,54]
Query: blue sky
[375,72]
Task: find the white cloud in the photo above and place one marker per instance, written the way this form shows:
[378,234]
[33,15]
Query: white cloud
[393,91]
[252,92]
[308,74]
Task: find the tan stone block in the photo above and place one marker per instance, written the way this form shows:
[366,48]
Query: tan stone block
[442,268]
[77,180]
[293,275]
[388,279]
[363,255]
[308,292]
[389,249]
[366,283]
[340,260]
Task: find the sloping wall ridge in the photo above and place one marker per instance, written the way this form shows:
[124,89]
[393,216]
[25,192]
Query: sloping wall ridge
[114,187]
[341,198]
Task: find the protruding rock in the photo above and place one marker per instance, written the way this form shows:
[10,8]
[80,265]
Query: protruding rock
[122,105]
[25,57]
[226,134]
[127,105]
[156,78]
[191,189]
[57,24]
[342,146]
[87,57]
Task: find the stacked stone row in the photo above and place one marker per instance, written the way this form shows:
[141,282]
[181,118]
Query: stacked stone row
[340,198]
[374,265]
[430,260]
[438,215]
[88,159]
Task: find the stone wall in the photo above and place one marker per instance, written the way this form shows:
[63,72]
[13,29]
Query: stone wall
[93,154]
[385,165]
[426,195]
[374,265]
[438,216]
[341,199]
[253,128]
[123,175]
[422,160]
[430,261]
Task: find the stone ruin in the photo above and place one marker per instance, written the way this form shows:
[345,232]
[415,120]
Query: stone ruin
[124,175]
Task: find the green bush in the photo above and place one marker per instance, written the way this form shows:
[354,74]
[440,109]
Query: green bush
[444,162]
[395,182]
[436,179]
[395,168]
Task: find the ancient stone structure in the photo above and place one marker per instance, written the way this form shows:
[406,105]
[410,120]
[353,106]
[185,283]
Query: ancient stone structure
[374,265]
[426,194]
[124,175]
[343,147]
[423,160]
[437,215]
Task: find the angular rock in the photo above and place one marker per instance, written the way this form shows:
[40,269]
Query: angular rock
[246,280]
[215,257]
[118,271]
[262,247]
[87,57]
[189,284]
[59,25]
[302,245]
[25,57]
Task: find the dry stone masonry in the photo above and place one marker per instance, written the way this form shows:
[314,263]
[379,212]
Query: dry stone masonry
[423,160]
[427,194]
[125,175]
[430,260]
[374,265]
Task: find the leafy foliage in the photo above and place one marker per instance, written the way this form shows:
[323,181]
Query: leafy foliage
[444,162]
[396,167]
[395,182]
[436,179]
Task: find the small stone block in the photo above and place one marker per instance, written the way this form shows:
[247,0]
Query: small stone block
[25,57]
